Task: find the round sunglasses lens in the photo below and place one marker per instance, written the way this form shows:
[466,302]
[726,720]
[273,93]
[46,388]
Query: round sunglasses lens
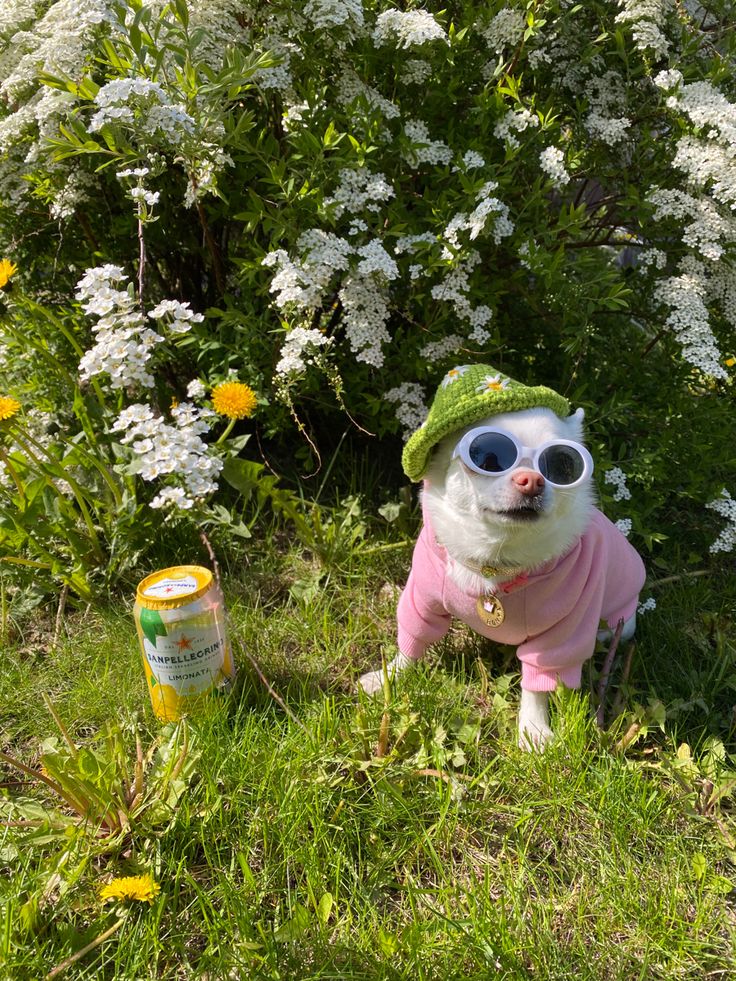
[561,464]
[492,452]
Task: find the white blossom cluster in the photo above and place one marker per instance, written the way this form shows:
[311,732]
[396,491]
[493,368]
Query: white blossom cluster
[366,313]
[647,18]
[624,525]
[702,103]
[411,409]
[438,350]
[454,289]
[350,87]
[375,259]
[423,148]
[475,221]
[76,188]
[708,164]
[57,42]
[617,477]
[646,606]
[145,103]
[299,349]
[196,389]
[725,505]
[705,211]
[359,190]
[416,72]
[175,316]
[410,243]
[707,232]
[278,77]
[325,15]
[606,119]
[124,345]
[406,29]
[209,160]
[472,160]
[689,320]
[303,281]
[163,450]
[55,38]
[552,162]
[505,30]
[514,121]
[295,115]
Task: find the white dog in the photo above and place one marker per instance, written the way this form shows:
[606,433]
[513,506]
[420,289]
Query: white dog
[511,542]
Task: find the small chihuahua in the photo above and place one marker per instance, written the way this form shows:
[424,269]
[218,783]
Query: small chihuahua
[512,544]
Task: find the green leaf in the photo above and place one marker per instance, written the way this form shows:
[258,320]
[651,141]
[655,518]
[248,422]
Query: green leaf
[295,927]
[700,865]
[324,909]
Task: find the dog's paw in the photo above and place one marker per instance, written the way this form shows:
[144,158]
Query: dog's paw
[534,730]
[535,737]
[371,682]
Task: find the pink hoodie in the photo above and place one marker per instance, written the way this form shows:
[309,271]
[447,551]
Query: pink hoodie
[552,614]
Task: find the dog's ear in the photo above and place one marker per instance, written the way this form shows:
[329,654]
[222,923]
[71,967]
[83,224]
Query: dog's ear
[574,424]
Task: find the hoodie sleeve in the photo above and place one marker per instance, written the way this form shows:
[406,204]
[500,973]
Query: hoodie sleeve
[421,614]
[602,580]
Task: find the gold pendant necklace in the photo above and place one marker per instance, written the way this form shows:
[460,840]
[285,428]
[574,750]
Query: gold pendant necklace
[490,610]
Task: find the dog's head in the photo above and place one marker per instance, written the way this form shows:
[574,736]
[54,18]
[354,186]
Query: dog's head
[517,518]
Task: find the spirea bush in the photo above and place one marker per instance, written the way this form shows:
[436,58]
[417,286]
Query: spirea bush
[335,202]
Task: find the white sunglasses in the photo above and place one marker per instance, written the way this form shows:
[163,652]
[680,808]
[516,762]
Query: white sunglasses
[493,452]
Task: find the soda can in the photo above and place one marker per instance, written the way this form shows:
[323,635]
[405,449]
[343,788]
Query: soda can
[180,620]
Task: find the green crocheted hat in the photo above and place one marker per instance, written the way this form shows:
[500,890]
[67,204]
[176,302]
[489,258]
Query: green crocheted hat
[467,394]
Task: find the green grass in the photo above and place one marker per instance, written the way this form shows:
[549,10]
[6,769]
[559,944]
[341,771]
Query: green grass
[297,852]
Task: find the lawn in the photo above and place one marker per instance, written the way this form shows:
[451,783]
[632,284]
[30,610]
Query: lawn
[401,837]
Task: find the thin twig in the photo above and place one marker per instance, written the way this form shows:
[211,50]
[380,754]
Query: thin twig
[62,728]
[606,672]
[654,341]
[441,775]
[618,700]
[211,246]
[683,575]
[60,968]
[254,664]
[213,559]
[267,684]
[141,260]
[60,615]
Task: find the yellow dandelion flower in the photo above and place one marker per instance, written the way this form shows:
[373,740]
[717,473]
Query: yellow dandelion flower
[8,407]
[142,888]
[7,268]
[730,362]
[234,400]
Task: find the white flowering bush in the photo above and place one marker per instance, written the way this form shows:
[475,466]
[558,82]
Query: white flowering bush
[339,200]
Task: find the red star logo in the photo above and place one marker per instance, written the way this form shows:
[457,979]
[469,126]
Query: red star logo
[184,644]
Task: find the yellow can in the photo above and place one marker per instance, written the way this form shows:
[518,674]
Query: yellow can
[180,619]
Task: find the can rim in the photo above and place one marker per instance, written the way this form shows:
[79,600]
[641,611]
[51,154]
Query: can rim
[202,575]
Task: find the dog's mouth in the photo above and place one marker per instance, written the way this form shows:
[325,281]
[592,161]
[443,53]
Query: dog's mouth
[524,513]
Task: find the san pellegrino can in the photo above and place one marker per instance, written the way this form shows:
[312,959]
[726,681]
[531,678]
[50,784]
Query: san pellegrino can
[180,619]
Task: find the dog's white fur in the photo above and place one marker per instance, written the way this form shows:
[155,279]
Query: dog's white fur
[473,518]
